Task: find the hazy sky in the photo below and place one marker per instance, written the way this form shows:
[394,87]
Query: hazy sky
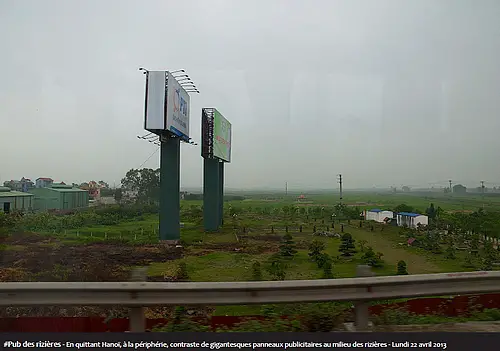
[384,92]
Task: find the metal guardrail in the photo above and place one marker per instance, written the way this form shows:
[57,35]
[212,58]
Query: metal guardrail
[137,295]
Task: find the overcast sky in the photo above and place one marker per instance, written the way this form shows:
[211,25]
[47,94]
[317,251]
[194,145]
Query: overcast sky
[384,92]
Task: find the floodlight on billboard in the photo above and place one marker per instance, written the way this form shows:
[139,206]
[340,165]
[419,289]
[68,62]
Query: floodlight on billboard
[167,105]
[216,135]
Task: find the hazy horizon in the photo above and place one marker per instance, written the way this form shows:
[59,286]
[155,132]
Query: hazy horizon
[388,93]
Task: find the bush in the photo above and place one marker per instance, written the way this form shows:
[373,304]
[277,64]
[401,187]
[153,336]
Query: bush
[182,273]
[277,268]
[372,259]
[327,270]
[256,271]
[315,248]
[181,323]
[402,268]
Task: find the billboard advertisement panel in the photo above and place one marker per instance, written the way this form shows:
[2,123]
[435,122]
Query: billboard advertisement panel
[167,105]
[221,137]
[155,101]
[177,108]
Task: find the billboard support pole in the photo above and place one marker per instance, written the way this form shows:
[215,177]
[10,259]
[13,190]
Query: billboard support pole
[170,189]
[221,193]
[211,194]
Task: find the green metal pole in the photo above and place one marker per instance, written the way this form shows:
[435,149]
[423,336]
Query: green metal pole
[170,201]
[211,194]
[221,193]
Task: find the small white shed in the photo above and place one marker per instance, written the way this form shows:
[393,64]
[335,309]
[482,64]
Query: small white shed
[378,215]
[412,220]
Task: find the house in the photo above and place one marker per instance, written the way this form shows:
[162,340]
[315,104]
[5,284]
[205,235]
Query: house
[19,185]
[44,182]
[11,200]
[60,197]
[411,220]
[378,215]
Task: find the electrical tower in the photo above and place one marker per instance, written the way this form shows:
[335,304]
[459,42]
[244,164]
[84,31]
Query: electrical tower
[286,188]
[451,190]
[340,184]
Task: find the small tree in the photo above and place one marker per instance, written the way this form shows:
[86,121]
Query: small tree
[315,248]
[323,259]
[347,247]
[402,268]
[277,268]
[450,252]
[372,259]
[486,264]
[182,272]
[362,244]
[327,270]
[287,248]
[256,271]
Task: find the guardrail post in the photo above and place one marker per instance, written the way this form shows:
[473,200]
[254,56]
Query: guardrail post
[361,315]
[136,314]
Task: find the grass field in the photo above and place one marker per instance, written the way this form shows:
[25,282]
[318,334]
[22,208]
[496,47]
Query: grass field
[253,236]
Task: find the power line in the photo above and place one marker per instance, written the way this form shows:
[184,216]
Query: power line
[156,150]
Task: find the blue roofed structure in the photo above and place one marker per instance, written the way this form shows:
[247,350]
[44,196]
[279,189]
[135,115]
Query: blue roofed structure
[375,210]
[409,214]
[412,220]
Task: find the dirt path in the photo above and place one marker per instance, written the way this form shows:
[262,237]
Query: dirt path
[393,253]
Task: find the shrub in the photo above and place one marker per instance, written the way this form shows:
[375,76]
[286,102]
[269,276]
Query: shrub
[402,268]
[256,271]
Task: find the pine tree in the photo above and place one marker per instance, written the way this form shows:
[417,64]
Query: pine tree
[287,248]
[402,268]
[347,247]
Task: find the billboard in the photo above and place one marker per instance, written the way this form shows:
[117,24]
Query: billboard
[215,135]
[221,137]
[167,105]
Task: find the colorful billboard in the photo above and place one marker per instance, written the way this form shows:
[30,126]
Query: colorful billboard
[167,105]
[221,137]
[177,108]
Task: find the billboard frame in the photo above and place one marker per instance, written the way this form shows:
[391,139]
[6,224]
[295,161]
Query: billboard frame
[167,106]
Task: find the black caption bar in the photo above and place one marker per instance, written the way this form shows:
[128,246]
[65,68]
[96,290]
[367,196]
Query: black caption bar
[250,341]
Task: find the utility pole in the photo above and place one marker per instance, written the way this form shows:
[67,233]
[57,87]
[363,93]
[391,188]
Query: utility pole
[340,183]
[451,190]
[482,191]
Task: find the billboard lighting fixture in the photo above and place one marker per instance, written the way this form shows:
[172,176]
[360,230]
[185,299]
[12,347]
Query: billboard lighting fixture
[178,71]
[182,75]
[145,71]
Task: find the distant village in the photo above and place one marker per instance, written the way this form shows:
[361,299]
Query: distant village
[46,194]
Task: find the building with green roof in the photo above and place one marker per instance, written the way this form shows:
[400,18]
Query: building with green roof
[60,197]
[15,200]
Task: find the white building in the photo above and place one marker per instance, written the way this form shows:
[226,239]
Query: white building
[378,215]
[412,220]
